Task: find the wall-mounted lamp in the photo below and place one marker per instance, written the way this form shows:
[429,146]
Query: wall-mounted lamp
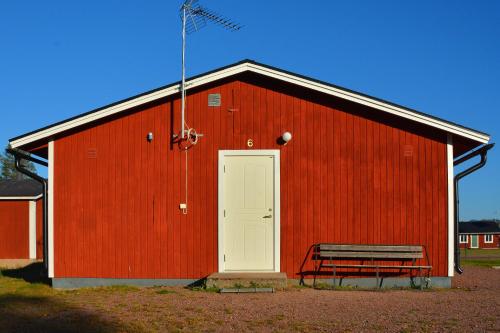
[149,137]
[287,136]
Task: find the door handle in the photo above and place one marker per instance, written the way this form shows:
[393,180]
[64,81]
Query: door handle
[267,216]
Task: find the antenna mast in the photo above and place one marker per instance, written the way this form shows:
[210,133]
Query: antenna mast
[194,17]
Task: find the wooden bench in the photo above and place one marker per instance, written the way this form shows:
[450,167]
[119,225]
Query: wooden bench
[367,257]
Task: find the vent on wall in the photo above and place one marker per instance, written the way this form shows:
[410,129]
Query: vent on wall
[92,153]
[213,99]
[408,151]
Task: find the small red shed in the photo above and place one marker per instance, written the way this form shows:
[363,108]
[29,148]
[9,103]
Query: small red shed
[20,221]
[285,161]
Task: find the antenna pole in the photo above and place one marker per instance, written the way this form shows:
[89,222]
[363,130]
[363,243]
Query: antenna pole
[183,83]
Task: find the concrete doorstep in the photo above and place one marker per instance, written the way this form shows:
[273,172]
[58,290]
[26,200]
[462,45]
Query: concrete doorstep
[247,280]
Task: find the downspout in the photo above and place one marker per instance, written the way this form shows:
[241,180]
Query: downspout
[18,155]
[483,151]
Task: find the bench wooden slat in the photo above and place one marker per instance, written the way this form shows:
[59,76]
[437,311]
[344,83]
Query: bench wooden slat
[370,248]
[369,255]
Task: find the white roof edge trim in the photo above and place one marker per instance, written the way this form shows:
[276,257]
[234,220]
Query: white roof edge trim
[248,66]
[21,198]
[376,104]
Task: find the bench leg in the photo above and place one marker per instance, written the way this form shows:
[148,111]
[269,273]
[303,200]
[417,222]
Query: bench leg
[316,271]
[421,279]
[377,277]
[334,275]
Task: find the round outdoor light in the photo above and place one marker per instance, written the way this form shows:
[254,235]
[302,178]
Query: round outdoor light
[287,136]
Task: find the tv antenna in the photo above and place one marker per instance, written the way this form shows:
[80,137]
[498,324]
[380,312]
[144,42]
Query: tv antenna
[194,17]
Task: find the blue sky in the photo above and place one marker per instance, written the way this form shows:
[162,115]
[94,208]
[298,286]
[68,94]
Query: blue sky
[62,58]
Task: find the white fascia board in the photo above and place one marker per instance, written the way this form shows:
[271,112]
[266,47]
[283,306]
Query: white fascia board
[373,103]
[21,198]
[125,106]
[269,72]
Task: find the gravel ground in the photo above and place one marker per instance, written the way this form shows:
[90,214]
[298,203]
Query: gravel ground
[472,305]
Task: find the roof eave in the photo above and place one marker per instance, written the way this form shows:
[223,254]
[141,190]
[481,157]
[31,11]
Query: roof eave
[248,65]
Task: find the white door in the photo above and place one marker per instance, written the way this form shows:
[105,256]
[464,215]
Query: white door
[474,244]
[248,216]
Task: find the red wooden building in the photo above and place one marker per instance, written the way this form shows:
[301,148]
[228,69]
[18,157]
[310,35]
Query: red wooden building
[356,170]
[20,221]
[479,235]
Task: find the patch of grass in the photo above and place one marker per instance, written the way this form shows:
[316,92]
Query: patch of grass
[119,289]
[280,317]
[300,326]
[205,289]
[299,286]
[14,286]
[327,286]
[165,291]
[480,252]
[481,262]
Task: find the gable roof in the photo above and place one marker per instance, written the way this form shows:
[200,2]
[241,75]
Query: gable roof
[479,227]
[254,67]
[20,189]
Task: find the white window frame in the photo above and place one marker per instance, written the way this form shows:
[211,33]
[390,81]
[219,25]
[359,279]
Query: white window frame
[466,239]
[486,239]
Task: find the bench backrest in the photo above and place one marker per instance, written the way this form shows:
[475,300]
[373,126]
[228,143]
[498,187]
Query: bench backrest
[344,251]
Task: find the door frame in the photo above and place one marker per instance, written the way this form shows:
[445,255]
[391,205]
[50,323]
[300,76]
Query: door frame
[477,241]
[276,209]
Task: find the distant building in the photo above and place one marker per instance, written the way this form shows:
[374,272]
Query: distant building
[479,235]
[21,219]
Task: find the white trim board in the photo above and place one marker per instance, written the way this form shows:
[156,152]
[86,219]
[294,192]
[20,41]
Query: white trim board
[451,207]
[21,198]
[250,66]
[277,204]
[51,210]
[32,229]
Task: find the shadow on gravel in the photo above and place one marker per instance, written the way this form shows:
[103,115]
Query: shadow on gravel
[20,313]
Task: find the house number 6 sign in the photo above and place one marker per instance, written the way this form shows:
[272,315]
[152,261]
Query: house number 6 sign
[250,143]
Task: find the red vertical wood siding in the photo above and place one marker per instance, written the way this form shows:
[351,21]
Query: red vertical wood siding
[14,229]
[494,245]
[349,175]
